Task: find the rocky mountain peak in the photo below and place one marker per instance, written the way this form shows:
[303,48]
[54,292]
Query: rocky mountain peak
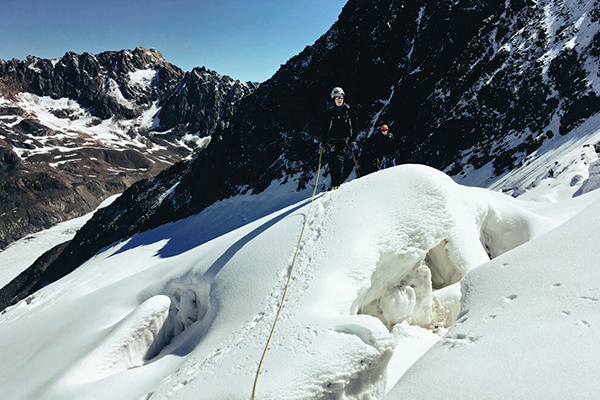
[95,123]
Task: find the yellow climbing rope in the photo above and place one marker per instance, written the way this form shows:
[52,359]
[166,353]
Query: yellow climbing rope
[287,285]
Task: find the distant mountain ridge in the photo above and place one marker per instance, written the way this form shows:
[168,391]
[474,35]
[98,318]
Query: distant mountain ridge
[104,82]
[77,129]
[477,89]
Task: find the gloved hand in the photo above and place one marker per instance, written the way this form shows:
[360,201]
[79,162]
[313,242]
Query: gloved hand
[353,146]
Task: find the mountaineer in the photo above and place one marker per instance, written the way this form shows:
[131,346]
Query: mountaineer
[338,137]
[384,148]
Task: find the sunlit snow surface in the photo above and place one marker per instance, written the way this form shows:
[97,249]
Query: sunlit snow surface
[168,315]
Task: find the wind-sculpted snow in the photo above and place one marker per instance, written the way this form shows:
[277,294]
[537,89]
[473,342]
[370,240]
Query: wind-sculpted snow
[376,284]
[129,344]
[529,327]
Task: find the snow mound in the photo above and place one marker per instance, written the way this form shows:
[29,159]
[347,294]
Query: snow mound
[376,284]
[135,339]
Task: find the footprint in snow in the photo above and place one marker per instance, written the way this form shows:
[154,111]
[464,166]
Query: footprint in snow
[510,298]
[490,317]
[459,340]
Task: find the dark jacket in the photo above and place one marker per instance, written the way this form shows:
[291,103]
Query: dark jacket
[339,125]
[384,145]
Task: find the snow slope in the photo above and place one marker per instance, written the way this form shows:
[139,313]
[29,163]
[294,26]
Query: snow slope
[22,253]
[529,327]
[376,283]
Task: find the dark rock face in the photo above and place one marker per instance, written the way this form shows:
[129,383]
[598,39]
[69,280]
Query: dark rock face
[462,85]
[190,107]
[26,280]
[519,83]
[84,127]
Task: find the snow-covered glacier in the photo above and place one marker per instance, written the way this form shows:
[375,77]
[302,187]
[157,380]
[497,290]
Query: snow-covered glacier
[377,283]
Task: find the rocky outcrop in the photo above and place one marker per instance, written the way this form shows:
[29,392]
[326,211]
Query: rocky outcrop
[26,280]
[191,106]
[33,197]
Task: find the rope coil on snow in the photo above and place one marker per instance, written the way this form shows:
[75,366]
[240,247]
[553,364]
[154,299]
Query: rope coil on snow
[287,285]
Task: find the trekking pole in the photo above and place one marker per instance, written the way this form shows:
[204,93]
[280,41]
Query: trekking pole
[355,164]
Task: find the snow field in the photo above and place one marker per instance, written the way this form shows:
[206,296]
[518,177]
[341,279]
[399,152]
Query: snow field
[559,168]
[142,77]
[376,284]
[21,254]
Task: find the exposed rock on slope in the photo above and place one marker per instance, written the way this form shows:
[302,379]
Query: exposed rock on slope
[192,106]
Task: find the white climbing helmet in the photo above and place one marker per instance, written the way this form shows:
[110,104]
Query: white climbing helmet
[336,91]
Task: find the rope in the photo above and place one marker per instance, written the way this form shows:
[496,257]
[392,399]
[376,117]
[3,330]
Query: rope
[287,285]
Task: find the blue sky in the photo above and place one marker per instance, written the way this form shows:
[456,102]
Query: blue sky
[248,40]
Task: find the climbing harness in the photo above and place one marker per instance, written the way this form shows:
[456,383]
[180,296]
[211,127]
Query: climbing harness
[386,161]
[287,285]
